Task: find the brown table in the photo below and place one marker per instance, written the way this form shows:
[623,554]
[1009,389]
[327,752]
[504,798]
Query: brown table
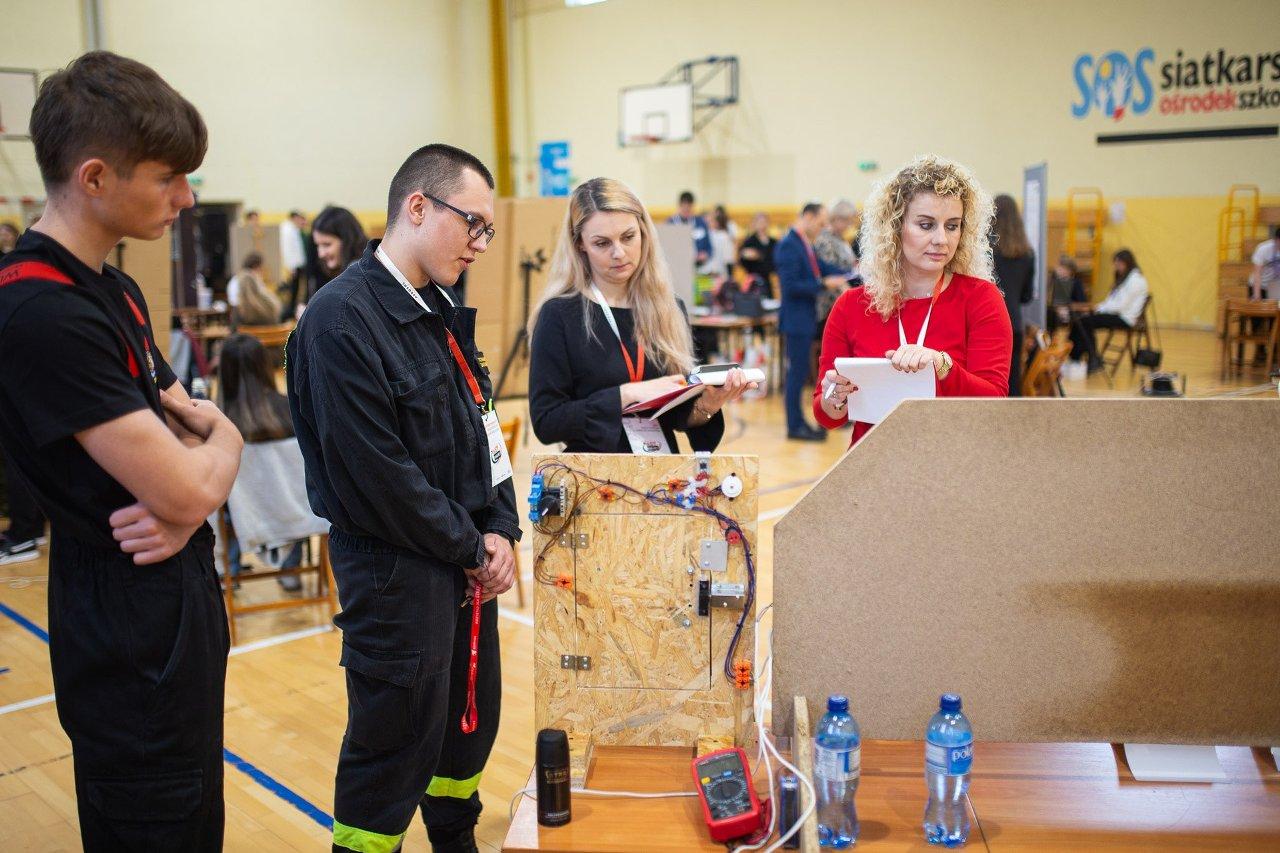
[1024,797]
[733,328]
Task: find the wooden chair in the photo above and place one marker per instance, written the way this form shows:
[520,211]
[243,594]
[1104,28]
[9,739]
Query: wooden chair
[1042,377]
[1135,338]
[273,336]
[1239,329]
[510,433]
[315,561]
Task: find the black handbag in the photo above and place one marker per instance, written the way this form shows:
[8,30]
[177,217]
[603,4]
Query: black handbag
[1148,358]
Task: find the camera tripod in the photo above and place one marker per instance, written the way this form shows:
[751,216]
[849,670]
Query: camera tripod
[529,264]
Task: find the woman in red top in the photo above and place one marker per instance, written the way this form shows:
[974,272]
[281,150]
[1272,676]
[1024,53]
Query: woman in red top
[925,257]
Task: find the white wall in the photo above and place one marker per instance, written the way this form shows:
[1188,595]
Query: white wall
[829,83]
[307,101]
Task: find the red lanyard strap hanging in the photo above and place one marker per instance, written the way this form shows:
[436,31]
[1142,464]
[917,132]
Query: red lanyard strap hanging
[466,371]
[635,369]
[470,718]
[813,258]
[902,335]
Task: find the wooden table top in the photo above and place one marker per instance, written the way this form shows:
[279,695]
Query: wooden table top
[733,321]
[1024,796]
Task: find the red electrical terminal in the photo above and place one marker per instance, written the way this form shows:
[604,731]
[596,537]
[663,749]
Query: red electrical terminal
[564,580]
[734,537]
[608,494]
[675,484]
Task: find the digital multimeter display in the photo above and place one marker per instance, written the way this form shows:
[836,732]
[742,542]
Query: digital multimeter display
[729,802]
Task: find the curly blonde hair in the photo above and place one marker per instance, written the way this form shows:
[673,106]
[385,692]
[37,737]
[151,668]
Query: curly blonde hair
[880,239]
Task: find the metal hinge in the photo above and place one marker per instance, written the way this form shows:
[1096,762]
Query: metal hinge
[579,662]
[575,541]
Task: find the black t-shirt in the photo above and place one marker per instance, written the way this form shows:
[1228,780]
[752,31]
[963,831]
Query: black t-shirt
[76,350]
[763,265]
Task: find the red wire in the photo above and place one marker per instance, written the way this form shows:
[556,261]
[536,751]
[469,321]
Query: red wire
[469,717]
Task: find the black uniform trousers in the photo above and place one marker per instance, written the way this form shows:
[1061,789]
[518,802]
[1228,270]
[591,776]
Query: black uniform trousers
[406,648]
[139,658]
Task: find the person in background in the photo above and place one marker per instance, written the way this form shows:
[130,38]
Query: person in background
[1264,282]
[608,296]
[927,299]
[1120,310]
[252,302]
[8,238]
[1015,275]
[247,393]
[21,542]
[1066,290]
[339,240]
[721,214]
[701,233]
[720,264]
[834,251]
[803,276]
[251,218]
[756,253]
[293,258]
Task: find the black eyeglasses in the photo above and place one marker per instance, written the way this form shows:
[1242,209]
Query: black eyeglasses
[475,225]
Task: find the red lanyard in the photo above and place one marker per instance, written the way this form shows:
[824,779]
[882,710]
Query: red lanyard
[470,718]
[466,371]
[634,370]
[813,259]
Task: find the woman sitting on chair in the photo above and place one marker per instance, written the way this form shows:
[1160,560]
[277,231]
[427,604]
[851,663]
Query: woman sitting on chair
[1120,310]
[247,394]
[252,303]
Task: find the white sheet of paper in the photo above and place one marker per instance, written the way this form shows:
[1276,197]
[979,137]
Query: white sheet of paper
[880,387]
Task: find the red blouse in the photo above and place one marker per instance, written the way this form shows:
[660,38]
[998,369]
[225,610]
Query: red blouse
[969,323]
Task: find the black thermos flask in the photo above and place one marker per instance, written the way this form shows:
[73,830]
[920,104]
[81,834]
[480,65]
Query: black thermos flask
[553,777]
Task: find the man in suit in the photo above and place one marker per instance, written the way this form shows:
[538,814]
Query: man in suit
[684,215]
[802,275]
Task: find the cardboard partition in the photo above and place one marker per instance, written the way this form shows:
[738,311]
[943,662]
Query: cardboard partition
[1077,570]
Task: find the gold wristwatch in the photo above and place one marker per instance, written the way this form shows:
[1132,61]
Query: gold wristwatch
[947,364]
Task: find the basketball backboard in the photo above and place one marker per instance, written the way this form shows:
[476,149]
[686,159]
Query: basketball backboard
[653,114]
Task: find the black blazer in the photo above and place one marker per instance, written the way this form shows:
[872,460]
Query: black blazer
[574,379]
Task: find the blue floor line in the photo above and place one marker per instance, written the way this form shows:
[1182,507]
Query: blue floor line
[282,791]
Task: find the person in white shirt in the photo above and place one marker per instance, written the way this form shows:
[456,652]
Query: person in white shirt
[293,257]
[1120,310]
[1264,282]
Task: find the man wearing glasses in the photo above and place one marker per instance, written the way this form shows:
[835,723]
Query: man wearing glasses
[403,454]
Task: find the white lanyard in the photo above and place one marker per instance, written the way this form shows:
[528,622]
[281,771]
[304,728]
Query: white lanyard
[608,312]
[902,334]
[404,282]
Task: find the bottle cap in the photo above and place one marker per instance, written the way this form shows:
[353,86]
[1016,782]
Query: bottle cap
[949,702]
[838,704]
[553,748]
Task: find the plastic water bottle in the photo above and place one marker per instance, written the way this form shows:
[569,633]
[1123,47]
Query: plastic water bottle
[837,763]
[948,754]
[199,389]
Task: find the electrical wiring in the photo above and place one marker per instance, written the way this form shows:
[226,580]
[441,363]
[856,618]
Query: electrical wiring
[660,495]
[638,795]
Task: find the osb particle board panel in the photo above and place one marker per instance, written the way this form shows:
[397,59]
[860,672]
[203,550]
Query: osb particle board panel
[1078,570]
[653,680]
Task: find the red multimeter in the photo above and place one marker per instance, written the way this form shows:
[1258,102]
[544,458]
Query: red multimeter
[729,801]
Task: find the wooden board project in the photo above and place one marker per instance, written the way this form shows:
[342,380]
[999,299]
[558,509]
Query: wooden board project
[1077,570]
[622,654]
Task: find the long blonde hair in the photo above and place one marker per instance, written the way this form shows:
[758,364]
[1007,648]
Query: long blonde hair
[659,324]
[880,239]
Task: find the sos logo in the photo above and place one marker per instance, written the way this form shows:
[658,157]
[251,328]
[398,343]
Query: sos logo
[1113,84]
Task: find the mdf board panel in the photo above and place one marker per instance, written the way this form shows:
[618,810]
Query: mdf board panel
[263,239]
[149,263]
[487,278]
[656,672]
[1078,570]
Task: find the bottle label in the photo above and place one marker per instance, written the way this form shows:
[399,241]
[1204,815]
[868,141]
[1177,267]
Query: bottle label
[948,760]
[837,765]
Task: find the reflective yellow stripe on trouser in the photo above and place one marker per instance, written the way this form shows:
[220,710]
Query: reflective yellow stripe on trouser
[364,841]
[459,789]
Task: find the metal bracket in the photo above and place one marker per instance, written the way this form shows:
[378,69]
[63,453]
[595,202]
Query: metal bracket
[578,662]
[576,541]
[714,555]
[728,595]
[715,85]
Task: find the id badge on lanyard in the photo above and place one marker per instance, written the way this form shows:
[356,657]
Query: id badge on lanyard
[499,460]
[643,434]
